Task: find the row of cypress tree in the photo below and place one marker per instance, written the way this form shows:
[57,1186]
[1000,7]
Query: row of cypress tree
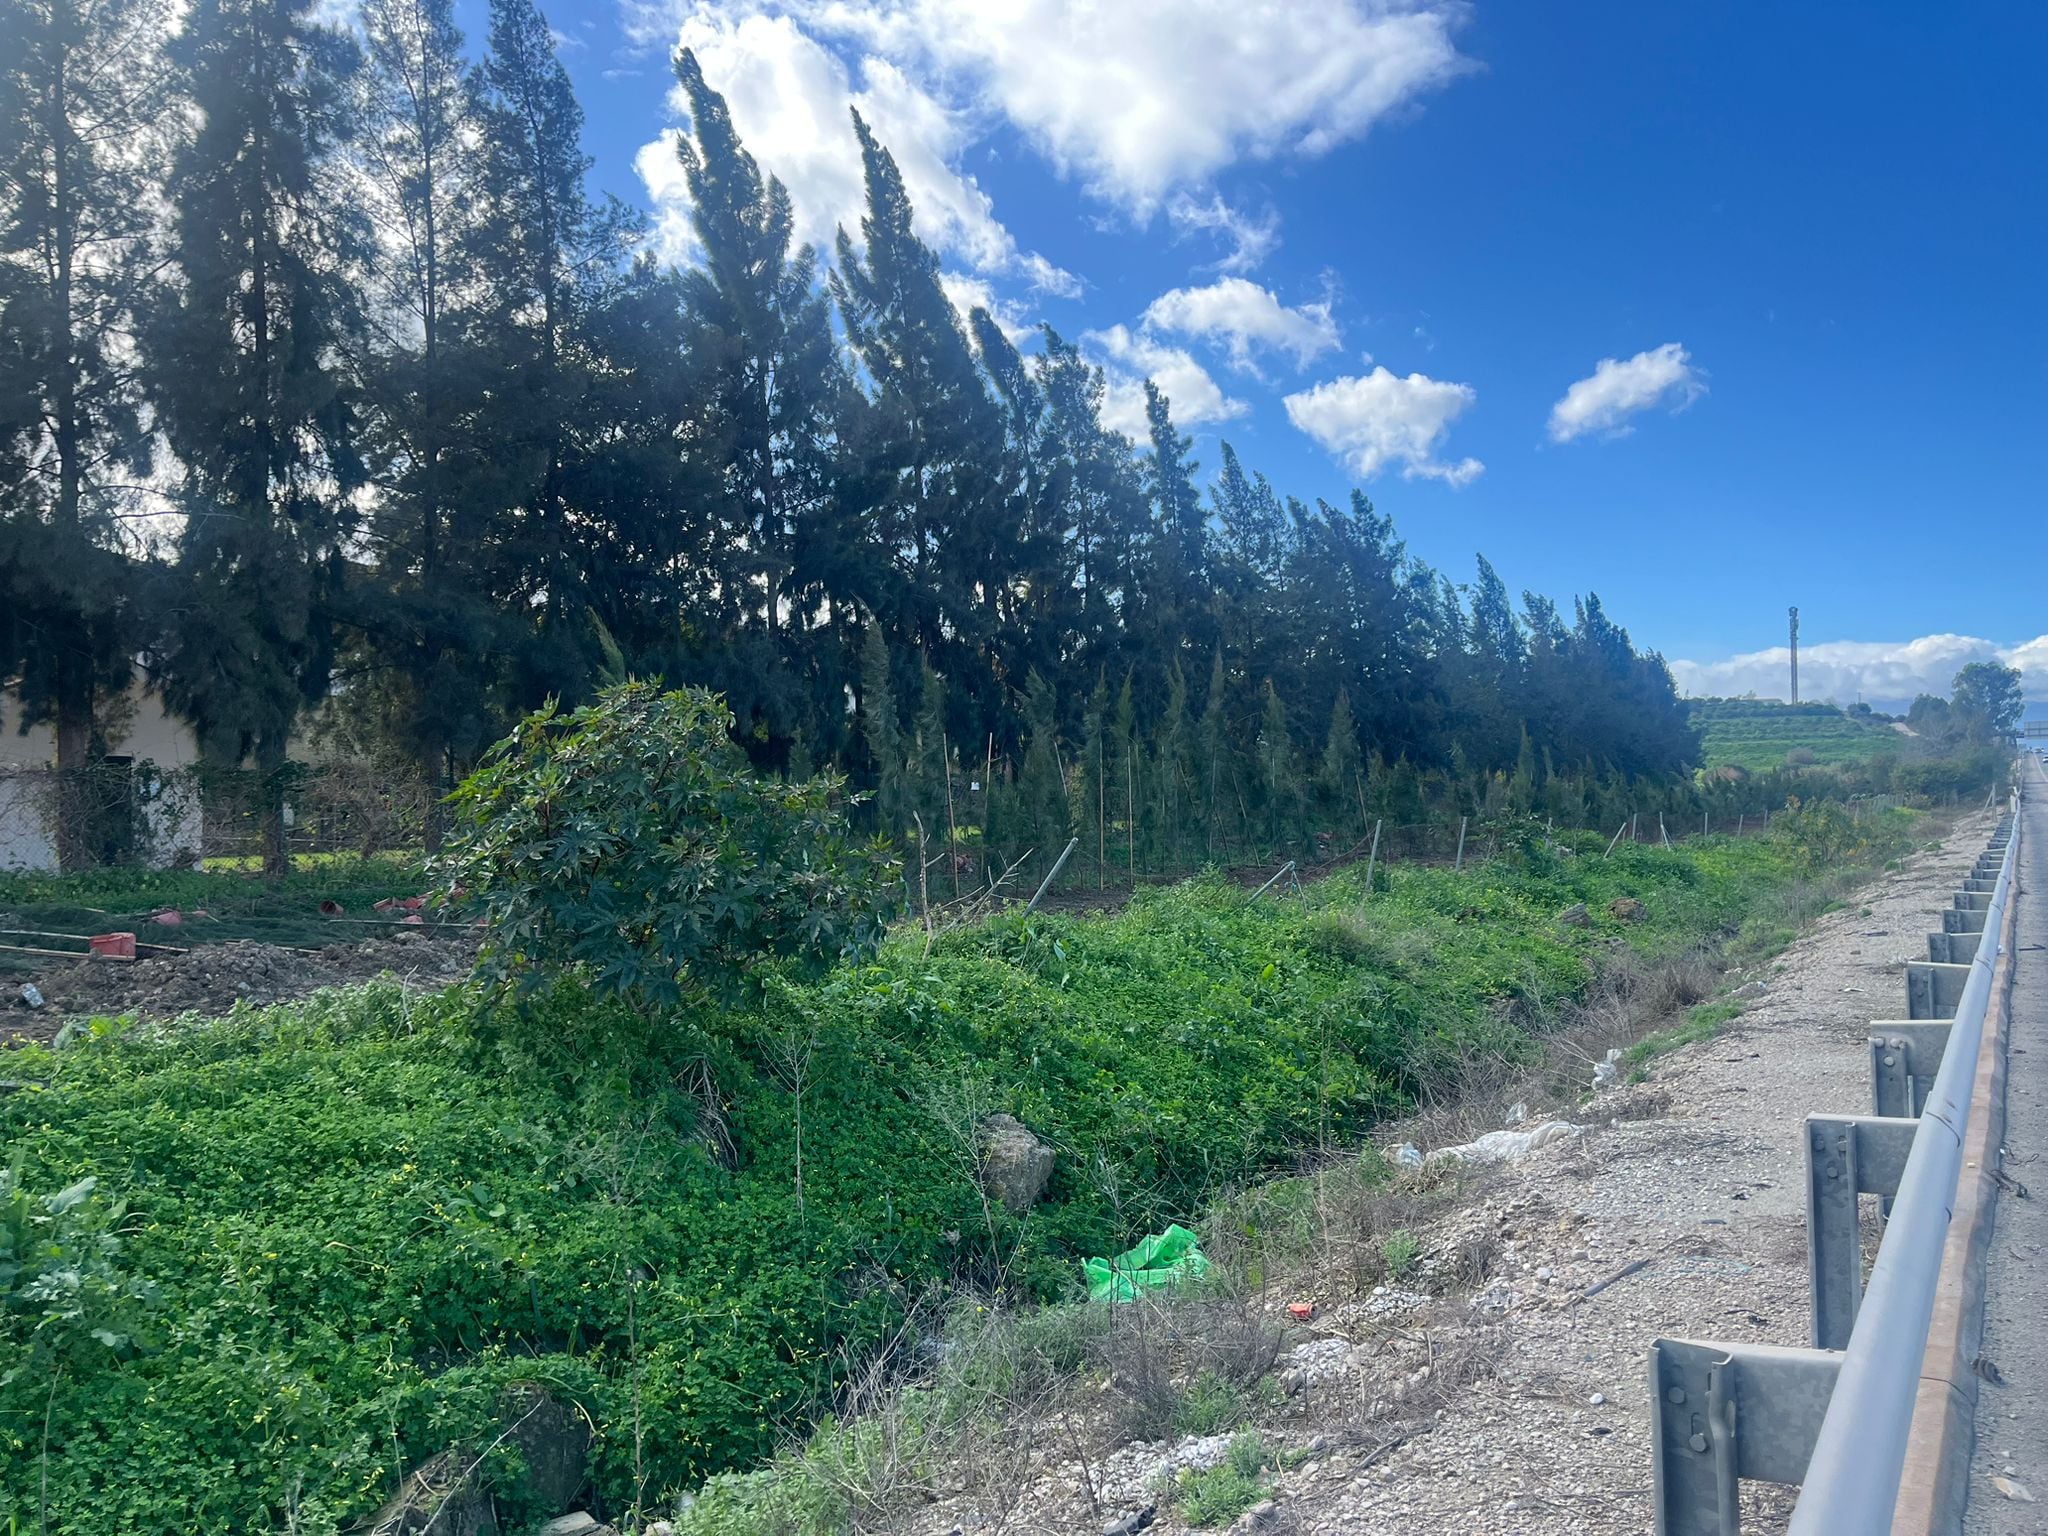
[325,384]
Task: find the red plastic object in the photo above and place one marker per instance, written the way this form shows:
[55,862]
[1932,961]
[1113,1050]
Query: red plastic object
[170,917]
[113,946]
[1301,1311]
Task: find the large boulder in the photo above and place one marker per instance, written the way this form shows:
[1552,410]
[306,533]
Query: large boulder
[1015,1164]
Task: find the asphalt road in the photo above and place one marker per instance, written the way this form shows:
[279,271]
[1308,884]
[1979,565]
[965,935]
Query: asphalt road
[2012,1419]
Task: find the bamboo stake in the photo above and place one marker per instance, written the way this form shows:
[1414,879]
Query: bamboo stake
[1372,858]
[1053,874]
[1617,836]
[1460,864]
[952,826]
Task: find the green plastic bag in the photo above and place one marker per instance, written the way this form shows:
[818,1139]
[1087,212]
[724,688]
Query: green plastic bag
[1163,1259]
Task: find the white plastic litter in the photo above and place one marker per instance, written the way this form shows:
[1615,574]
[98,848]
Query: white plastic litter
[31,994]
[1605,1072]
[1516,1114]
[1408,1155]
[1506,1146]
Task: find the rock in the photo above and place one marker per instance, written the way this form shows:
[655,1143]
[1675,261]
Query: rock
[443,1496]
[1016,1164]
[1598,1399]
[1576,916]
[576,1523]
[1626,909]
[1263,1516]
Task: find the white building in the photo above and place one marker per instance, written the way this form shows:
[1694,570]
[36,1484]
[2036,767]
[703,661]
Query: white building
[168,799]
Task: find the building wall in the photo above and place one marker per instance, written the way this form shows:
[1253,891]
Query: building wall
[28,788]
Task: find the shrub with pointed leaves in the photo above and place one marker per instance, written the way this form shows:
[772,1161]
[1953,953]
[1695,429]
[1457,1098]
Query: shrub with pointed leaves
[631,841]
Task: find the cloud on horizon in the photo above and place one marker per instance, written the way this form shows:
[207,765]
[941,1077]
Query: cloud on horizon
[1881,673]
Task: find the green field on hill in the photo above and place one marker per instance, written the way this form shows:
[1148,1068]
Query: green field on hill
[1759,734]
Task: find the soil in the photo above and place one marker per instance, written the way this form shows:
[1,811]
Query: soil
[1519,1404]
[212,978]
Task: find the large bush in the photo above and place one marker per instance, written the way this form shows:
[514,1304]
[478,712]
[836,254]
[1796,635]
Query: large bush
[632,841]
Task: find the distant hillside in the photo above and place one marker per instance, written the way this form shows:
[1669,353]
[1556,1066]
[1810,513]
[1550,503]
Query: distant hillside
[1764,733]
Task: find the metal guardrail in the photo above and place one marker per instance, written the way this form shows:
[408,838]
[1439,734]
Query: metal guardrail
[1835,1418]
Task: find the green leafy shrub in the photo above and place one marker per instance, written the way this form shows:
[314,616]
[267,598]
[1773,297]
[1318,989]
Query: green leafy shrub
[630,840]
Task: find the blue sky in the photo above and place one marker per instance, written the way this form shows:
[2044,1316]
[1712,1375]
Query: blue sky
[1789,255]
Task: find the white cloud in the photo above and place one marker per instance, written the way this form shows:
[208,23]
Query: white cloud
[1887,674]
[1617,390]
[1381,419]
[1144,98]
[1129,358]
[1240,313]
[1251,239]
[789,96]
[966,294]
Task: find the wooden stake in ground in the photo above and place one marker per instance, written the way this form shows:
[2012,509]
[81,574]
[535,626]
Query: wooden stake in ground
[952,826]
[1459,865]
[1372,858]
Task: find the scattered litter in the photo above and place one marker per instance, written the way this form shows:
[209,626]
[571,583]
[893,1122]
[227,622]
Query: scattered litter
[30,996]
[1598,1399]
[1506,1146]
[1748,990]
[1162,1260]
[1407,1155]
[112,946]
[1516,1114]
[1605,1072]
[400,904]
[1987,1369]
[1301,1311]
[331,908]
[169,917]
[2013,1489]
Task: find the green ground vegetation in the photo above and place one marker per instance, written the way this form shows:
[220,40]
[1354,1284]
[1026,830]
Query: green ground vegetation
[325,1237]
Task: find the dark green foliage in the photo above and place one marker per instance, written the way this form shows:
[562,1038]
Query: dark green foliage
[248,381]
[366,1214]
[630,842]
[83,101]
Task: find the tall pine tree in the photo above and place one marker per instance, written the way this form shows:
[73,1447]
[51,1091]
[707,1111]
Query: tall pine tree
[84,105]
[252,376]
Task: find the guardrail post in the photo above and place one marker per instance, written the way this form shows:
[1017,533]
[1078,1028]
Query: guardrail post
[1723,1412]
[1846,1156]
[1932,991]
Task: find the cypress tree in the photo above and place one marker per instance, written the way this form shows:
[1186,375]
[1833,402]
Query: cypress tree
[929,442]
[767,389]
[84,97]
[252,378]
[544,257]
[428,621]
